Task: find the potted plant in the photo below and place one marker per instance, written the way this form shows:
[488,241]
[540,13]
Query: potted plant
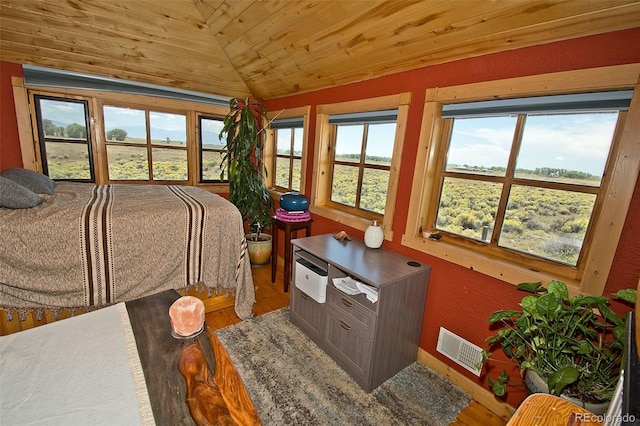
[243,130]
[574,345]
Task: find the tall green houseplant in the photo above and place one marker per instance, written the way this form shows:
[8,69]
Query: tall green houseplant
[245,135]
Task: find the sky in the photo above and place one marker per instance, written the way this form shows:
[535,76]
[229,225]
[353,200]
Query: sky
[379,142]
[566,141]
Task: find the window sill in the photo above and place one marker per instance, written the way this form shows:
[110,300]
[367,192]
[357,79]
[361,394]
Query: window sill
[496,268]
[216,188]
[348,219]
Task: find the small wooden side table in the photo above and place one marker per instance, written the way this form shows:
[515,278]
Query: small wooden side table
[288,228]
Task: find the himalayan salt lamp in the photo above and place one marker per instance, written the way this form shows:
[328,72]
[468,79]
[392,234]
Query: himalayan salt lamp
[187,316]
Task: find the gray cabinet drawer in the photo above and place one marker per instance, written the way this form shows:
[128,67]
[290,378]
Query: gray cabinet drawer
[349,348]
[307,314]
[353,312]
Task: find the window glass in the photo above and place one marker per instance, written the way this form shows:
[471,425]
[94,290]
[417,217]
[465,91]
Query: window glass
[468,207]
[349,143]
[288,158]
[127,162]
[283,143]
[125,125]
[540,201]
[380,139]
[168,129]
[141,140]
[566,147]
[344,185]
[295,175]
[357,182]
[68,161]
[545,222]
[374,190]
[481,145]
[211,149]
[169,164]
[65,146]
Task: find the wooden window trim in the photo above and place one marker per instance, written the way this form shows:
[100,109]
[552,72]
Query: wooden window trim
[270,148]
[198,117]
[320,190]
[626,165]
[28,136]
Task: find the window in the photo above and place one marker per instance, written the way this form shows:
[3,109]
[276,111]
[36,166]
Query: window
[289,138]
[285,150]
[527,182]
[211,149]
[362,160]
[65,145]
[358,159]
[521,189]
[129,138]
[143,144]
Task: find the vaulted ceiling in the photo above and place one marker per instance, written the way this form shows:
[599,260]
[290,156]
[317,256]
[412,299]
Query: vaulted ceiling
[274,48]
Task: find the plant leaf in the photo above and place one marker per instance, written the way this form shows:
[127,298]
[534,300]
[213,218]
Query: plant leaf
[528,304]
[628,295]
[502,315]
[531,287]
[499,387]
[562,378]
[547,304]
[559,289]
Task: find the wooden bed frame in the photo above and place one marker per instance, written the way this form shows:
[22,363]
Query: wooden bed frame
[29,319]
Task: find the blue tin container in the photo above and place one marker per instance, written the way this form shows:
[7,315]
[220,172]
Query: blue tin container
[294,201]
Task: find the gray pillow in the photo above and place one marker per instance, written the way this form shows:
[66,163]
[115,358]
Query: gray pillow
[36,182]
[15,196]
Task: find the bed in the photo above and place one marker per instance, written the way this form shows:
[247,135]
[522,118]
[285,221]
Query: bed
[88,246]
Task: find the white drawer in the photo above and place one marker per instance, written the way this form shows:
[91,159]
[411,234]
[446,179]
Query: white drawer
[311,280]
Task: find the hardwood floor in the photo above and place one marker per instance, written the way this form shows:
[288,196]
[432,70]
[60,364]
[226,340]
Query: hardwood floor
[272,296]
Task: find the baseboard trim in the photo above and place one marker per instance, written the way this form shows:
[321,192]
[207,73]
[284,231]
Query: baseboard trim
[483,396]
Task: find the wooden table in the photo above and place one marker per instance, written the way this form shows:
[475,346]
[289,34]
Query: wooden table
[160,354]
[541,409]
[289,228]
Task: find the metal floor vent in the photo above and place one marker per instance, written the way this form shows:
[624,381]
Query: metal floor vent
[459,350]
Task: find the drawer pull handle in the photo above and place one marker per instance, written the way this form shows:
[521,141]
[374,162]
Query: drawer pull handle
[346,303]
[345,326]
[304,296]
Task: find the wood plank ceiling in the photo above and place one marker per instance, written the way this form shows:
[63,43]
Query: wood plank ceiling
[274,48]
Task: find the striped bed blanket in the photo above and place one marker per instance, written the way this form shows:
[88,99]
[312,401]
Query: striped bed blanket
[95,245]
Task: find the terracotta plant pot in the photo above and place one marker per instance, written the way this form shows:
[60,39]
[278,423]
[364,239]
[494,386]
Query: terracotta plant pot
[259,250]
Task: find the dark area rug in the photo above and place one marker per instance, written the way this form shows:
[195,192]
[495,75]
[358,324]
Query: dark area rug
[292,381]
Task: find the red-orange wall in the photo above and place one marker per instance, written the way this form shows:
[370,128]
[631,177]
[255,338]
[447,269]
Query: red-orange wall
[460,299]
[9,142]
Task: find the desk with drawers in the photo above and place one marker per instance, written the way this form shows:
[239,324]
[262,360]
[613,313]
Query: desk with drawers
[370,341]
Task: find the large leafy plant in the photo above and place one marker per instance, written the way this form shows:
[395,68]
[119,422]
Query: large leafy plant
[575,343]
[243,159]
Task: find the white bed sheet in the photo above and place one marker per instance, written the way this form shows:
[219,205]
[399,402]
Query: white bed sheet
[83,370]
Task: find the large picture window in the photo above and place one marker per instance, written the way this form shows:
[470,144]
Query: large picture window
[527,182]
[143,144]
[65,140]
[534,187]
[91,131]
